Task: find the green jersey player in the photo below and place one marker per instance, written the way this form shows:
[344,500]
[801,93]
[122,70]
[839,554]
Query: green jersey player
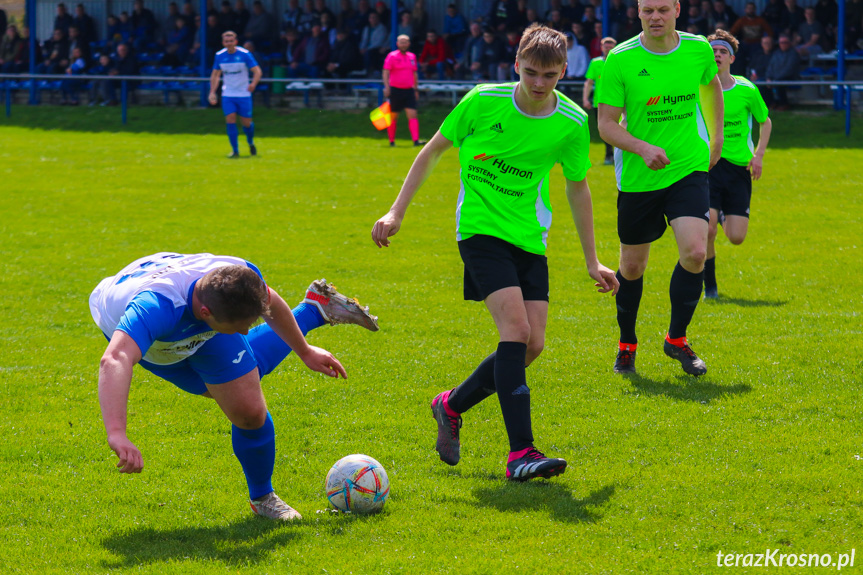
[509,136]
[662,81]
[593,86]
[731,177]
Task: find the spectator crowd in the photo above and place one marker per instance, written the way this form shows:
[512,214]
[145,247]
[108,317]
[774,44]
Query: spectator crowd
[312,41]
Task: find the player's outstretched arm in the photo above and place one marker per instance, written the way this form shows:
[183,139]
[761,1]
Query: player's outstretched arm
[613,133]
[115,379]
[581,204]
[215,75]
[763,139]
[285,325]
[421,169]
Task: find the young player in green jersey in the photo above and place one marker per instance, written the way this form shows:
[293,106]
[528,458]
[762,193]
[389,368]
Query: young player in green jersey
[509,136]
[731,177]
[593,84]
[662,80]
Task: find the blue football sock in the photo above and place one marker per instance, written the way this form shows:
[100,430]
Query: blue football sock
[232,137]
[256,450]
[269,349]
[250,133]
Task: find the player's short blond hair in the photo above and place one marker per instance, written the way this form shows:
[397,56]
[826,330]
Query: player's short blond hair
[543,46]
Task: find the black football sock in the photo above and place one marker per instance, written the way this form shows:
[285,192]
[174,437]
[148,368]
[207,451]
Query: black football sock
[710,273]
[628,299]
[685,291]
[512,392]
[477,386]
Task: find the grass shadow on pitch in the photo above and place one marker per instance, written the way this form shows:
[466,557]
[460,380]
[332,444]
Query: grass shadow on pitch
[244,542]
[545,495]
[686,388]
[743,302]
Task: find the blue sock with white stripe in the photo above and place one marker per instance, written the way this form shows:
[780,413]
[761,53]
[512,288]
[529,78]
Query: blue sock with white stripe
[233,134]
[270,349]
[250,133]
[256,450]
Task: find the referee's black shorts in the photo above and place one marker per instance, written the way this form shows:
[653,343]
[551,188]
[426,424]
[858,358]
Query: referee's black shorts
[401,98]
[491,264]
[642,216]
[730,188]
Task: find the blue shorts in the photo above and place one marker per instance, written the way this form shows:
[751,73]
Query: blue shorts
[223,358]
[237,105]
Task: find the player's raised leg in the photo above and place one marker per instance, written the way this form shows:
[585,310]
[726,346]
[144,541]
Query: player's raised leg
[711,290]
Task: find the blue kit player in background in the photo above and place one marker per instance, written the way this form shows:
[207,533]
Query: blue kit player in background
[188,319]
[234,64]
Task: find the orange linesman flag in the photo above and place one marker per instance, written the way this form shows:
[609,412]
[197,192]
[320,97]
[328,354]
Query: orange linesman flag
[382,117]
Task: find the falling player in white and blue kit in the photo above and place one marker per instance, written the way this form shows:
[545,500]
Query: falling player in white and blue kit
[188,319]
[234,64]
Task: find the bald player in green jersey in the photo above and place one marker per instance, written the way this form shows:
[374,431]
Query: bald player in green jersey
[662,81]
[731,177]
[509,136]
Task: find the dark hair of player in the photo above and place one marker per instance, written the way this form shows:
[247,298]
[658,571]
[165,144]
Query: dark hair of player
[234,293]
[542,46]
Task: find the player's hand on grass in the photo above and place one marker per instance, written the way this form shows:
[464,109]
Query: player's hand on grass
[213,99]
[130,457]
[755,167]
[322,361]
[655,157]
[385,228]
[606,280]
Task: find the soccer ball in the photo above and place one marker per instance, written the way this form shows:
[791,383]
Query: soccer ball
[357,484]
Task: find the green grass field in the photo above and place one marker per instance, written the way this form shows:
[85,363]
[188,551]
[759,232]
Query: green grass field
[665,470]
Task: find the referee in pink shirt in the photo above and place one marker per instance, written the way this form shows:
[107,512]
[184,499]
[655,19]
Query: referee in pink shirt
[401,87]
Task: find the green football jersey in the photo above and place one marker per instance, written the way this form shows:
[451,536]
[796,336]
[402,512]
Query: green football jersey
[594,72]
[743,103]
[506,156]
[660,97]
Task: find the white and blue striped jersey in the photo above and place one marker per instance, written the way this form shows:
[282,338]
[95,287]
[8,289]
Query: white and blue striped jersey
[151,301]
[235,71]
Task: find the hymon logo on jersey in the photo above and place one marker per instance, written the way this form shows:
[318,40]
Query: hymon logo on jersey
[503,167]
[497,128]
[669,99]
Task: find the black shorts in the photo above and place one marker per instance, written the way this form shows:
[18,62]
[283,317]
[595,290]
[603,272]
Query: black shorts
[401,98]
[730,188]
[491,264]
[642,216]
